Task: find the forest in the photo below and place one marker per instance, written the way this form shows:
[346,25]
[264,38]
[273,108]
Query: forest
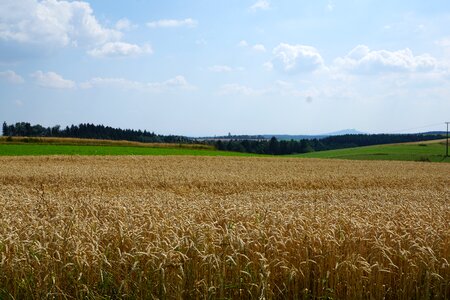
[91,131]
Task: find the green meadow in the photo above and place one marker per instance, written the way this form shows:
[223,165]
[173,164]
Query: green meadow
[433,152]
[49,149]
[426,151]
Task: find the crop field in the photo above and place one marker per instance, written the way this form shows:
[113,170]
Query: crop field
[25,146]
[172,227]
[20,140]
[99,150]
[426,151]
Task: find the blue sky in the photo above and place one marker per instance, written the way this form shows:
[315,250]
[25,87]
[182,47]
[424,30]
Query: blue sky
[212,67]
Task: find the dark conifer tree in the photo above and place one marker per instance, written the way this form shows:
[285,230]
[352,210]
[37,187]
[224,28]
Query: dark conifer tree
[5,129]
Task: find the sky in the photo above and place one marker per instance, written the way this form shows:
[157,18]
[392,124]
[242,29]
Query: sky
[203,67]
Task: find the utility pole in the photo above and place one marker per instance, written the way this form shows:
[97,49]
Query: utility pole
[446,148]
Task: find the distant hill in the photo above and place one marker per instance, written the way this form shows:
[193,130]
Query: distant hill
[345,131]
[435,132]
[288,137]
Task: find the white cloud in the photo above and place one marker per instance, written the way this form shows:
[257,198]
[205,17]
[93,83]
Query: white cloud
[242,43]
[52,23]
[259,48]
[297,58]
[256,47]
[268,65]
[111,83]
[178,82]
[125,24]
[358,52]
[302,91]
[260,5]
[120,49]
[444,42]
[444,45]
[173,84]
[11,77]
[224,69]
[52,80]
[171,23]
[363,60]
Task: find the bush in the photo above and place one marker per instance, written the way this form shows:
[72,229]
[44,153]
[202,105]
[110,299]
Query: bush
[424,159]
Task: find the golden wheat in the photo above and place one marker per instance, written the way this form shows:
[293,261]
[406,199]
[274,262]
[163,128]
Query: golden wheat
[211,227]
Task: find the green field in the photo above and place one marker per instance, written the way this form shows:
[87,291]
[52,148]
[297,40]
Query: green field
[47,149]
[434,152]
[427,151]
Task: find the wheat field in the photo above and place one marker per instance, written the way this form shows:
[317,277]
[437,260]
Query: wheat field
[223,228]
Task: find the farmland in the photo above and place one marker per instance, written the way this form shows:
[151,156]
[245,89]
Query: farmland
[433,151]
[426,151]
[23,146]
[39,149]
[222,227]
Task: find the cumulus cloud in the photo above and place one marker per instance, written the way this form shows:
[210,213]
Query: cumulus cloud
[297,58]
[362,59]
[255,47]
[171,23]
[242,43]
[121,83]
[259,48]
[358,52]
[173,84]
[52,80]
[120,49]
[52,23]
[11,77]
[125,24]
[178,82]
[260,5]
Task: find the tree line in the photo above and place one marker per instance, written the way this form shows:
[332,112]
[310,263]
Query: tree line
[272,146]
[91,131]
[358,140]
[283,147]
